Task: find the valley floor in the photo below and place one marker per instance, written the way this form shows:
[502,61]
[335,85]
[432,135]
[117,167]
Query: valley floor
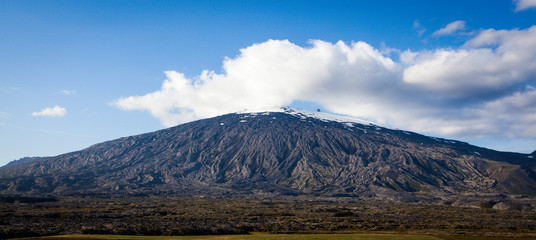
[304,218]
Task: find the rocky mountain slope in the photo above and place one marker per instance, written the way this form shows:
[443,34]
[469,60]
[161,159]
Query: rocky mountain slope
[276,153]
[22,161]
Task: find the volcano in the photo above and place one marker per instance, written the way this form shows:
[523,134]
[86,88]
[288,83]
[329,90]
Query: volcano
[278,153]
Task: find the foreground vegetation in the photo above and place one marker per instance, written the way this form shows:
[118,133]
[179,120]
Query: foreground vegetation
[267,236]
[156,216]
[255,237]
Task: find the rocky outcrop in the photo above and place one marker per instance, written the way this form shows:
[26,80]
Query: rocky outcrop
[275,153]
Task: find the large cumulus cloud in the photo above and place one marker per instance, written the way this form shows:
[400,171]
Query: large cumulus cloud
[486,64]
[484,88]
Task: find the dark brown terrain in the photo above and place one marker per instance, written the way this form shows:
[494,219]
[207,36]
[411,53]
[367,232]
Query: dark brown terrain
[205,215]
[285,171]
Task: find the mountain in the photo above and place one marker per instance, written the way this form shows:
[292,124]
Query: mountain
[289,152]
[21,161]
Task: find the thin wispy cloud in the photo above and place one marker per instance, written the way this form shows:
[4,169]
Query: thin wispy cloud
[9,89]
[418,28]
[481,89]
[68,92]
[524,4]
[55,111]
[450,29]
[4,115]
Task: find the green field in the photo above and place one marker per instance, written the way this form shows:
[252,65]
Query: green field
[259,236]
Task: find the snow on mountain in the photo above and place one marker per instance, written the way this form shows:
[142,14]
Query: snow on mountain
[309,114]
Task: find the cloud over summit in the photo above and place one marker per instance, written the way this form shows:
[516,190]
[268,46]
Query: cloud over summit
[267,75]
[472,90]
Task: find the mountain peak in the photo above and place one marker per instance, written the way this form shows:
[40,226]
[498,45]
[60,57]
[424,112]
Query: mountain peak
[310,114]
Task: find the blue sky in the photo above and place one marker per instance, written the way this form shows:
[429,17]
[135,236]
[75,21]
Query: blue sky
[75,73]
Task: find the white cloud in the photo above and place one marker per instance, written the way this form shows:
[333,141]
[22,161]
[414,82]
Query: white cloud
[524,4]
[451,28]
[486,65]
[68,92]
[266,75]
[481,89]
[55,111]
[517,111]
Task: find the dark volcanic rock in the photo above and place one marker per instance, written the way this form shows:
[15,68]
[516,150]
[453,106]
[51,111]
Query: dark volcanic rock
[22,160]
[276,153]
